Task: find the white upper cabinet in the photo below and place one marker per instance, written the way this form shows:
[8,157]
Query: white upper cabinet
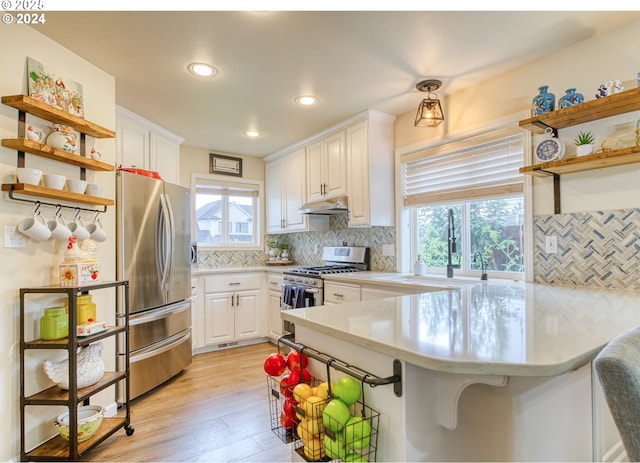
[145,145]
[326,167]
[286,184]
[370,179]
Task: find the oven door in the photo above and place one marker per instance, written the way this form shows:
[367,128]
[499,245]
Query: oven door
[296,296]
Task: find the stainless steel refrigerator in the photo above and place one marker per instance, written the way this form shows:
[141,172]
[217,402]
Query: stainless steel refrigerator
[154,253]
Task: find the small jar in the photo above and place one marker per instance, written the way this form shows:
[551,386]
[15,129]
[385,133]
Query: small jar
[86,309]
[54,324]
[419,268]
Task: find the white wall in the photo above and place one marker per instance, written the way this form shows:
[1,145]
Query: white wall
[35,265]
[584,66]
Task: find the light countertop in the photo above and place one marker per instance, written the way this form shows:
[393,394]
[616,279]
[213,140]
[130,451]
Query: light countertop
[495,328]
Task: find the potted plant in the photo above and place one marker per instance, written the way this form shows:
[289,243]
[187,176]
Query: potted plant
[584,143]
[274,250]
[285,251]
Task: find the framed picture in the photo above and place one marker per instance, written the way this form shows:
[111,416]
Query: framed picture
[226,165]
[53,89]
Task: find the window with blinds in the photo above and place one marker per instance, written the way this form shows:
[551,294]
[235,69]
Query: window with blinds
[475,168]
[226,213]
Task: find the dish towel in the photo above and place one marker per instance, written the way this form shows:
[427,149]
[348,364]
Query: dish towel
[298,297]
[287,297]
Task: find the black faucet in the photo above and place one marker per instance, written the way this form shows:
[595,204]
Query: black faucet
[451,245]
[483,266]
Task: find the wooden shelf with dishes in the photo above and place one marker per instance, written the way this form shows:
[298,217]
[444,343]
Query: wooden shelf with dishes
[589,111]
[27,105]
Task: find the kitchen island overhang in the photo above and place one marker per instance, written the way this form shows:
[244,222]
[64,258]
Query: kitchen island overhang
[517,344]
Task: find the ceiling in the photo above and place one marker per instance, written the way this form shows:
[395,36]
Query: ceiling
[351,60]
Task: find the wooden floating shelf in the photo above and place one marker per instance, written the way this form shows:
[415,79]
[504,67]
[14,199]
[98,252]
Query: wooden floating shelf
[34,190]
[46,151]
[38,108]
[583,163]
[589,111]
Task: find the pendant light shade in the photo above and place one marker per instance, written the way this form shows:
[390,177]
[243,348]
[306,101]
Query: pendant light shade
[430,111]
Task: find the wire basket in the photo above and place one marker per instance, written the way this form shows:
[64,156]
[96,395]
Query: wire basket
[286,413]
[356,440]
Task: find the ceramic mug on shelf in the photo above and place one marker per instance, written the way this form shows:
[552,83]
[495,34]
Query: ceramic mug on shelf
[76,186]
[58,228]
[94,189]
[28,175]
[78,229]
[35,227]
[96,231]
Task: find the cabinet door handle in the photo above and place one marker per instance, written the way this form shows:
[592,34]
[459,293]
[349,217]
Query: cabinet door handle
[238,300]
[338,295]
[234,284]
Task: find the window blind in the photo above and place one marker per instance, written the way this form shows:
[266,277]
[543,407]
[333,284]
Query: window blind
[479,169]
[224,188]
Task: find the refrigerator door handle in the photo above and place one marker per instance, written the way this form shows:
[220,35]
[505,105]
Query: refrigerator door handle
[172,238]
[163,242]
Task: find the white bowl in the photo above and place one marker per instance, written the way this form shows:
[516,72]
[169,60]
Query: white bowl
[94,189]
[76,186]
[54,181]
[28,175]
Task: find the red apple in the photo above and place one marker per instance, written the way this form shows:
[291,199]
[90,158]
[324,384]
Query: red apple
[289,407]
[275,365]
[295,378]
[286,387]
[286,421]
[293,360]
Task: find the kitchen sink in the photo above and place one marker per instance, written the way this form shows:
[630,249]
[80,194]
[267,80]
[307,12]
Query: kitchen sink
[443,281]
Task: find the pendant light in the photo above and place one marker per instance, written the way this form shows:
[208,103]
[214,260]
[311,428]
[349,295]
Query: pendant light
[430,111]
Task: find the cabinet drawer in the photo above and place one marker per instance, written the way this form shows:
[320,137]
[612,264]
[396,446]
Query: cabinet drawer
[338,293]
[274,282]
[232,282]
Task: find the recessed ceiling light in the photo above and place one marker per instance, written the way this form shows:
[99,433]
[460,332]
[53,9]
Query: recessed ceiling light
[251,133]
[202,70]
[306,100]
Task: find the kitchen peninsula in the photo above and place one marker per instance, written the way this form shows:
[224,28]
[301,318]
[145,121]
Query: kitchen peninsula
[497,371]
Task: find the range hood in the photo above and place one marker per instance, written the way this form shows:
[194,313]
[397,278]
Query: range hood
[330,206]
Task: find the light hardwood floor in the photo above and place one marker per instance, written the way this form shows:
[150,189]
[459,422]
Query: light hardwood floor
[217,410]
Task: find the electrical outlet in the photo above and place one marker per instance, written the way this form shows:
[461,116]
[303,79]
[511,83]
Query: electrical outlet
[13,238]
[551,244]
[388,250]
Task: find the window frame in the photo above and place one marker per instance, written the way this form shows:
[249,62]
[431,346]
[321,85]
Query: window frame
[406,239]
[257,216]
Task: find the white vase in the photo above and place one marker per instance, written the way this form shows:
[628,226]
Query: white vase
[584,150]
[285,254]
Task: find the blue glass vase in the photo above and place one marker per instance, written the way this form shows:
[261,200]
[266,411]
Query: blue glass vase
[570,99]
[544,102]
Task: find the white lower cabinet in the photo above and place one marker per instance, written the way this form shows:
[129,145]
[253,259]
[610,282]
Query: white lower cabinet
[338,293]
[232,307]
[274,304]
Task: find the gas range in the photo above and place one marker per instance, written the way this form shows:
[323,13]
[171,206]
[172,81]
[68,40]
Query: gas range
[340,259]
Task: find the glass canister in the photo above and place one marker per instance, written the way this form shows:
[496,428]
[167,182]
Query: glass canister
[54,324]
[86,309]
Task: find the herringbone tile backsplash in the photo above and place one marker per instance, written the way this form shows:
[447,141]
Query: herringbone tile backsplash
[306,248]
[594,249]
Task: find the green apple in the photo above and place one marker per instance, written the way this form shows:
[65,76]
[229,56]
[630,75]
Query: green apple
[335,449]
[355,457]
[347,389]
[357,433]
[335,415]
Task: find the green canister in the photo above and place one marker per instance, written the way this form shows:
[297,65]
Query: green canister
[54,324]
